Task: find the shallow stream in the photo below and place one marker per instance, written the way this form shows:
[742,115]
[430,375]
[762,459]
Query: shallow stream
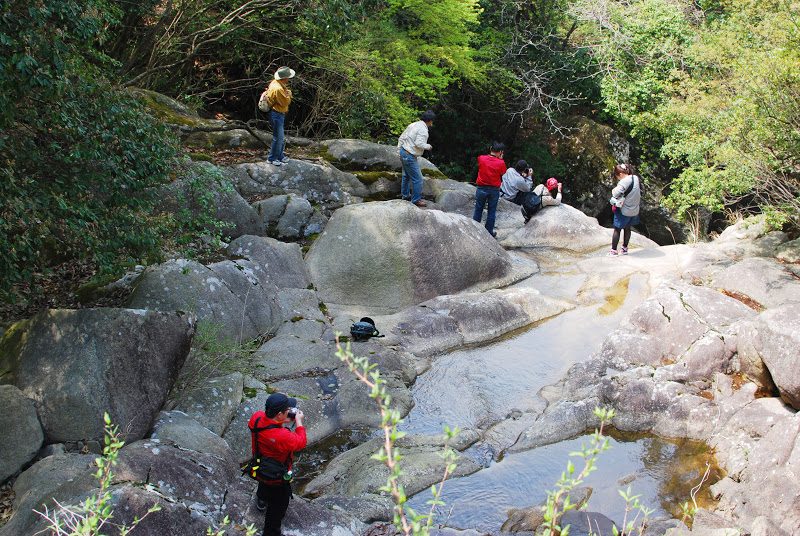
[476,387]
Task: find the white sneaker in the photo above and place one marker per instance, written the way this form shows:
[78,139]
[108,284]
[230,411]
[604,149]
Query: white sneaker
[276,162]
[285,159]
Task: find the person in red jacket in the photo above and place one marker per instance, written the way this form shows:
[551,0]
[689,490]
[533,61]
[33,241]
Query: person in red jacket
[491,168]
[271,439]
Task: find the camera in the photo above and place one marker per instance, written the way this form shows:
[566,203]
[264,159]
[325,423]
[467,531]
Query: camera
[292,413]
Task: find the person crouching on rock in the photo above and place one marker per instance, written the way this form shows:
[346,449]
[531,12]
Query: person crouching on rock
[411,144]
[491,169]
[516,182]
[625,205]
[550,192]
[271,439]
[544,195]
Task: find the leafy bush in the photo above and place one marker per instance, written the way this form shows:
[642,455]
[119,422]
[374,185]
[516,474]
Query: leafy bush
[77,155]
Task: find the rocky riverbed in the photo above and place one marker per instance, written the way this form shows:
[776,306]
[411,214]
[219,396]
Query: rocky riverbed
[692,342]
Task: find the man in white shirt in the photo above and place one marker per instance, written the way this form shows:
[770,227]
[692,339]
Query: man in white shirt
[412,143]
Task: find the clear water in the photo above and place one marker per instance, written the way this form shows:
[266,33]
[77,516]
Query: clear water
[662,472]
[472,388]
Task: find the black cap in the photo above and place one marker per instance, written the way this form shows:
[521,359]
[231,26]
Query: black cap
[427,115]
[277,402]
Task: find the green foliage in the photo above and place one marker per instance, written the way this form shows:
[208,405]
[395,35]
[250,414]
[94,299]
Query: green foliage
[712,89]
[91,517]
[77,155]
[400,62]
[405,519]
[732,122]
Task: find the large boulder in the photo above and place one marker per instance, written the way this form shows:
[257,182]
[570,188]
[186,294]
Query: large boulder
[564,227]
[22,434]
[320,184]
[388,255]
[236,297]
[366,155]
[76,364]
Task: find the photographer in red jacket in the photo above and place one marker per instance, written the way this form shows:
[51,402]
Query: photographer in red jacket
[491,168]
[271,439]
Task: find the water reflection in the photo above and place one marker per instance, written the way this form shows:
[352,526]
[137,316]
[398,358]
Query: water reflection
[475,387]
[661,471]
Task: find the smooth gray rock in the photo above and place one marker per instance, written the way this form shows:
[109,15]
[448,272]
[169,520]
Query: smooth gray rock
[448,322]
[55,478]
[286,356]
[179,428]
[320,184]
[667,324]
[780,349]
[282,262]
[354,472]
[230,296]
[789,252]
[295,217]
[565,227]
[237,435]
[76,364]
[763,280]
[269,210]
[213,402]
[367,155]
[175,518]
[385,256]
[367,508]
[22,435]
[289,216]
[587,523]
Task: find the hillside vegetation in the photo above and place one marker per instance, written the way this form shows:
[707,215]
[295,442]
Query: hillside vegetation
[708,91]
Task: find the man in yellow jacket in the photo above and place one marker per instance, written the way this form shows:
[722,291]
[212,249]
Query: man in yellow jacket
[279,96]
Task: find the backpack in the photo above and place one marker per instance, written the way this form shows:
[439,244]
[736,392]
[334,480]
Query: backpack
[263,103]
[531,204]
[364,329]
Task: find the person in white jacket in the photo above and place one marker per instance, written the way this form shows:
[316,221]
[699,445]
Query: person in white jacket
[625,199]
[411,144]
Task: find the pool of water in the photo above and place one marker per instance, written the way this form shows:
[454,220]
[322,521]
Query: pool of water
[661,471]
[474,387]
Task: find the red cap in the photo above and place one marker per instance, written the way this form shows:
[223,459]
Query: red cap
[551,183]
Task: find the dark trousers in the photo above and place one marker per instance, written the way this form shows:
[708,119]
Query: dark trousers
[277,500]
[486,195]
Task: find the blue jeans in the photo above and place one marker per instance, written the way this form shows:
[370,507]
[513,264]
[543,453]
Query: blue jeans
[412,174]
[276,120]
[483,195]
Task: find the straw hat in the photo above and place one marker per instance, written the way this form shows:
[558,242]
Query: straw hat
[284,72]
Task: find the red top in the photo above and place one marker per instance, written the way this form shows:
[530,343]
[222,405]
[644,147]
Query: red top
[276,443]
[490,170]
